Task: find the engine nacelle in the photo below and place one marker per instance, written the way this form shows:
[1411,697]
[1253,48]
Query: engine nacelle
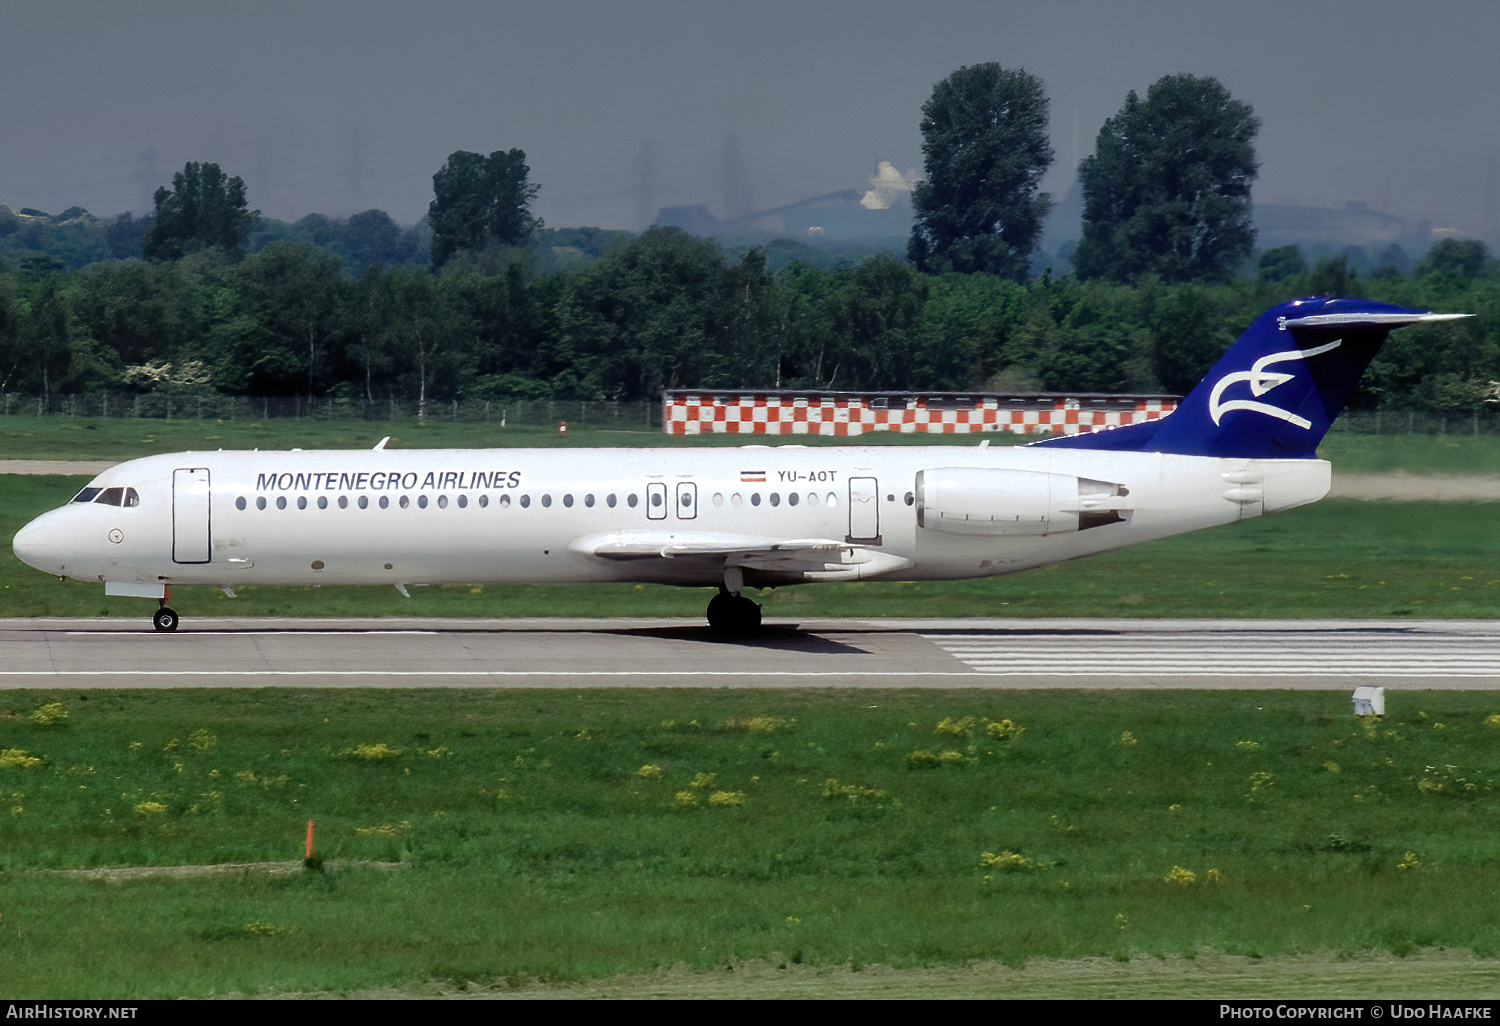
[974,500]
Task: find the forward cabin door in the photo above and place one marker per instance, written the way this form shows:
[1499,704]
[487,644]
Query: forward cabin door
[656,501]
[190,515]
[864,510]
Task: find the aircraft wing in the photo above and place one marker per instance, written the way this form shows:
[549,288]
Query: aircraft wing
[816,559]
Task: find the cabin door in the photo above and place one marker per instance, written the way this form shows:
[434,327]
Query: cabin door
[656,501]
[864,510]
[190,515]
[687,500]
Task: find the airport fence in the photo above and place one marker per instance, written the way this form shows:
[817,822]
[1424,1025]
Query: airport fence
[632,416]
[625,416]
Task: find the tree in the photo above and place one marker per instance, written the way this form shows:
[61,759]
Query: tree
[480,200]
[1462,258]
[44,332]
[1167,189]
[203,208]
[1281,264]
[1187,337]
[292,292]
[985,149]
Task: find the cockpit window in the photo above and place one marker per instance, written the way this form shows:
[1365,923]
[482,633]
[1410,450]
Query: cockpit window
[111,497]
[87,495]
[132,498]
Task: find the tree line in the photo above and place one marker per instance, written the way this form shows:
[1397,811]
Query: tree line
[667,310]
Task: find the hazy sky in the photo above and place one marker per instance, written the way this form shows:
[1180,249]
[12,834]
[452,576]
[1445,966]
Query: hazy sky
[337,107]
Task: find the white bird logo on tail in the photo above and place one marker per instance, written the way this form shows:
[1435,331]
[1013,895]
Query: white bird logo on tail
[1262,381]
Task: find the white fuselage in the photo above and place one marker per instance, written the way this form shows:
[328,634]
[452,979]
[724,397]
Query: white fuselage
[764,515]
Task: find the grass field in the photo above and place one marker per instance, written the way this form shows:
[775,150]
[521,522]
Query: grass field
[74,438]
[564,836]
[1335,558]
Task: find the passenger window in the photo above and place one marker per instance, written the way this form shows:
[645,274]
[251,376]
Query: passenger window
[132,498]
[525,501]
[656,499]
[755,498]
[343,502]
[281,502]
[260,502]
[568,501]
[776,498]
[421,502]
[301,502]
[791,500]
[87,495]
[833,499]
[631,500]
[322,502]
[463,502]
[239,503]
[405,502]
[736,499]
[364,502]
[812,498]
[111,497]
[385,502]
[442,502]
[546,501]
[609,500]
[588,500]
[718,498]
[484,501]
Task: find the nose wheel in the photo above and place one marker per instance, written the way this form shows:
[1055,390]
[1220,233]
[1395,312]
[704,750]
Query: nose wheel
[164,619]
[733,614]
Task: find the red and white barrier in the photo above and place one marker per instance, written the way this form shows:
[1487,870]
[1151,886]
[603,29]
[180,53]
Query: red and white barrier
[694,413]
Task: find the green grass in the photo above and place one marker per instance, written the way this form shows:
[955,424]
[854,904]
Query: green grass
[1336,558]
[533,848]
[60,437]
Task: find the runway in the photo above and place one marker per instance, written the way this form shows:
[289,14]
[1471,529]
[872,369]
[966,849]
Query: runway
[557,653]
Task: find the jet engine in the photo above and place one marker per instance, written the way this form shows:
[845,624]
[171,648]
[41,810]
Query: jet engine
[974,500]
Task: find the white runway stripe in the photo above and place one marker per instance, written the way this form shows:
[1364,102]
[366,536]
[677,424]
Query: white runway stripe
[1232,655]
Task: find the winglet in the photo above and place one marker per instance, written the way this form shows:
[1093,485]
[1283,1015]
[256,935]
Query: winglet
[381,444]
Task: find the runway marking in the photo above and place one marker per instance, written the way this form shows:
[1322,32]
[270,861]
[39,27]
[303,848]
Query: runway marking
[909,674]
[1242,654]
[232,634]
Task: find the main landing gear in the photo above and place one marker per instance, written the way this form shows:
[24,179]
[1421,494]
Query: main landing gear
[164,619]
[733,614]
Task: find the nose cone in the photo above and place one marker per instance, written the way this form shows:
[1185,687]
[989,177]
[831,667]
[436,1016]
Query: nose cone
[39,544]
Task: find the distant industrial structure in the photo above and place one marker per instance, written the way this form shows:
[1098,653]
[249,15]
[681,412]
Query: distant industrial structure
[1353,224]
[832,215]
[841,414]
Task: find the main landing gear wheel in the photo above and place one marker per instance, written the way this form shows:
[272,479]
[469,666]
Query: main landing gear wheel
[164,619]
[733,614]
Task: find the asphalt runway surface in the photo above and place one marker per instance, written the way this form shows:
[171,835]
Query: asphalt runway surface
[1305,654]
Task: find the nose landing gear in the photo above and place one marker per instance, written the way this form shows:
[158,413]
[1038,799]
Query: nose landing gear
[164,619]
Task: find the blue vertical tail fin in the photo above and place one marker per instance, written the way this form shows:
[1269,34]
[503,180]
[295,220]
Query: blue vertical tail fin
[1277,390]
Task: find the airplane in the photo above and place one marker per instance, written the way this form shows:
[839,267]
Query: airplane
[1242,443]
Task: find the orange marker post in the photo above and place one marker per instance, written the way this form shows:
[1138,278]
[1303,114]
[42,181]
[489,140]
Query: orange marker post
[309,838]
